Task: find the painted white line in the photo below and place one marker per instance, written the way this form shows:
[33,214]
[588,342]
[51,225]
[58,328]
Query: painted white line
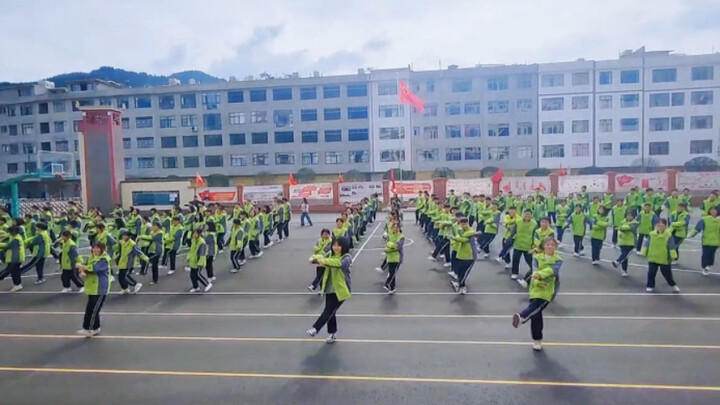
[44,275]
[366,242]
[359,315]
[682,270]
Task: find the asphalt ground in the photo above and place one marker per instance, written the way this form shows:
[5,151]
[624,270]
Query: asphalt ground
[607,341]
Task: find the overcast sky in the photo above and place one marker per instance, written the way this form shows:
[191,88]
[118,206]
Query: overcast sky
[40,38]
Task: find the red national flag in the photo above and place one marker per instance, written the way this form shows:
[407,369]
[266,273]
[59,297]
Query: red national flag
[340,178]
[392,180]
[291,179]
[561,171]
[199,182]
[498,176]
[407,97]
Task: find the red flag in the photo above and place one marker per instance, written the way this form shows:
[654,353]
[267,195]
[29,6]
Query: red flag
[561,171]
[340,178]
[498,176]
[199,182]
[392,180]
[291,179]
[407,97]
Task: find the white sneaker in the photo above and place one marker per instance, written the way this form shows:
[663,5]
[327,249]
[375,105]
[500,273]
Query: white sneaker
[595,262]
[16,288]
[522,283]
[213,278]
[486,255]
[93,332]
[391,292]
[576,254]
[81,290]
[537,346]
[194,290]
[187,268]
[171,272]
[455,285]
[259,254]
[624,274]
[125,291]
[516,320]
[152,283]
[432,259]
[252,257]
[331,339]
[615,264]
[242,262]
[311,332]
[83,332]
[233,271]
[705,271]
[66,290]
[582,254]
[514,276]
[42,280]
[676,289]
[463,291]
[508,266]
[447,264]
[137,288]
[379,269]
[648,289]
[499,260]
[208,287]
[452,274]
[311,288]
[269,244]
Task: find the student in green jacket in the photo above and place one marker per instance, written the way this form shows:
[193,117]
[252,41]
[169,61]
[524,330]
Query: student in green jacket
[40,244]
[710,202]
[551,204]
[617,214]
[394,255]
[659,248]
[594,206]
[96,273]
[522,234]
[563,211]
[321,247]
[627,232]
[544,285]
[491,227]
[235,243]
[686,198]
[14,248]
[578,222]
[672,202]
[335,285]
[171,244]
[647,220]
[125,258]
[68,261]
[465,255]
[679,223]
[197,259]
[709,225]
[598,232]
[541,233]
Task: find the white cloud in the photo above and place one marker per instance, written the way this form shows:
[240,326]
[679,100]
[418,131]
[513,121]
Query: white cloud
[42,38]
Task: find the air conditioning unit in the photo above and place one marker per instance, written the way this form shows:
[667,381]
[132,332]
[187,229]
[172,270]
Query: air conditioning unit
[194,129]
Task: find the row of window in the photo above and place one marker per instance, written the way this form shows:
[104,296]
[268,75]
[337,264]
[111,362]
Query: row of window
[699,122]
[698,147]
[629,76]
[495,83]
[474,153]
[675,99]
[474,107]
[470,130]
[29,148]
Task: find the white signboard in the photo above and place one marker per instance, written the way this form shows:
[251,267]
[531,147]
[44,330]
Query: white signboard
[699,181]
[262,193]
[525,185]
[320,191]
[355,192]
[626,181]
[472,186]
[573,184]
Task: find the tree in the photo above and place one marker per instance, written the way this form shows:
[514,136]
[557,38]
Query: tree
[354,175]
[443,173]
[305,175]
[538,172]
[218,180]
[400,175]
[701,164]
[264,178]
[591,170]
[488,171]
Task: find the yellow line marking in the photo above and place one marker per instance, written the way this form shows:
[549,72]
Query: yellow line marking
[356,378]
[233,339]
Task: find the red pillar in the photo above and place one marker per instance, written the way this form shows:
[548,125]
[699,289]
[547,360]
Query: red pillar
[672,179]
[611,181]
[440,188]
[554,182]
[240,196]
[386,192]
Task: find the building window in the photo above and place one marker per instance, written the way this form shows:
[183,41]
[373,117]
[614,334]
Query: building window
[452,131]
[701,122]
[59,126]
[310,158]
[659,124]
[580,102]
[282,93]
[629,100]
[472,131]
[629,76]
[388,111]
[146,162]
[664,75]
[13,148]
[471,107]
[580,78]
[258,117]
[168,142]
[553,127]
[191,161]
[128,163]
[498,153]
[605,125]
[553,104]
[258,95]
[430,132]
[452,108]
[28,129]
[189,121]
[214,161]
[44,127]
[125,123]
[169,162]
[580,126]
[333,158]
[629,149]
[331,91]
[701,97]
[358,134]
[213,140]
[167,102]
[427,155]
[605,102]
[188,101]
[127,143]
[29,148]
[238,160]
[146,142]
[498,106]
[331,114]
[357,90]
[629,124]
[354,113]
[143,122]
[237,96]
[580,149]
[659,100]
[701,147]
[498,130]
[525,152]
[552,80]
[212,122]
[524,128]
[524,81]
[76,126]
[309,137]
[167,121]
[430,86]
[677,123]
[283,118]
[308,93]
[44,146]
[284,158]
[431,110]
[678,99]
[308,115]
[30,167]
[43,108]
[392,133]
[605,149]
[143,102]
[105,101]
[333,135]
[392,155]
[702,73]
[472,153]
[284,137]
[525,104]
[59,106]
[236,118]
[237,139]
[461,85]
[12,168]
[497,83]
[190,141]
[26,109]
[553,151]
[605,78]
[659,148]
[211,101]
[359,156]
[60,146]
[453,154]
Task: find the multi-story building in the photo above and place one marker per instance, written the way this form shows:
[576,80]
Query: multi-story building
[623,112]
